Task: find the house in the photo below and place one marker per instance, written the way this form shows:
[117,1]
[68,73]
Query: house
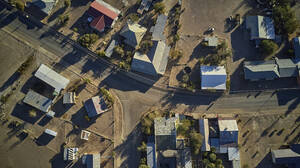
[133,34]
[151,155]
[52,78]
[95,106]
[260,27]
[38,101]
[104,15]
[211,41]
[69,98]
[44,7]
[296,43]
[70,154]
[158,29]
[145,5]
[289,157]
[213,77]
[154,62]
[165,133]
[204,130]
[228,131]
[271,69]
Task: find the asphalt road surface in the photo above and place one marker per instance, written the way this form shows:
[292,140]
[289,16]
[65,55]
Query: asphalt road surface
[137,97]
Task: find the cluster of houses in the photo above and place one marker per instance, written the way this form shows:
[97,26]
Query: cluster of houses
[165,149]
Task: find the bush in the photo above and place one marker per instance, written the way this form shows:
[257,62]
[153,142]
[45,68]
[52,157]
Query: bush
[67,3]
[205,162]
[32,113]
[176,38]
[268,47]
[210,165]
[75,29]
[119,51]
[143,166]
[87,40]
[196,141]
[145,46]
[143,147]
[124,65]
[101,53]
[20,6]
[219,166]
[285,19]
[147,122]
[25,65]
[184,127]
[175,54]
[133,17]
[212,157]
[219,161]
[62,20]
[107,95]
[159,7]
[213,149]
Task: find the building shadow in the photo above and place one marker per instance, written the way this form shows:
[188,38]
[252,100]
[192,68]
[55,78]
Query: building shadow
[21,111]
[266,162]
[53,16]
[10,81]
[44,139]
[44,121]
[59,108]
[79,119]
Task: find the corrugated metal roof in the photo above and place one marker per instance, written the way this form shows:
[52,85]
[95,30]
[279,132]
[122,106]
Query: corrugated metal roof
[260,27]
[256,70]
[213,77]
[105,9]
[45,5]
[110,49]
[52,78]
[94,106]
[204,130]
[159,27]
[38,101]
[133,33]
[151,157]
[296,42]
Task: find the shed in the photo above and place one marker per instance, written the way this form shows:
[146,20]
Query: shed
[260,27]
[85,135]
[50,132]
[159,27]
[228,131]
[95,106]
[213,77]
[296,43]
[70,154]
[212,41]
[38,101]
[69,98]
[52,78]
[151,156]
[287,67]
[204,131]
[258,70]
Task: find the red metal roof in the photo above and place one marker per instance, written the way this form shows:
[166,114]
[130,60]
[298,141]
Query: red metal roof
[98,23]
[104,10]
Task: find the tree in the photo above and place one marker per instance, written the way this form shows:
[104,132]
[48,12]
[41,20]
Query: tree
[145,46]
[20,5]
[143,147]
[143,166]
[176,54]
[268,47]
[159,7]
[210,165]
[219,161]
[176,37]
[205,161]
[219,166]
[119,51]
[101,53]
[133,17]
[62,20]
[196,141]
[212,157]
[87,40]
[67,3]
[184,127]
[285,19]
[32,113]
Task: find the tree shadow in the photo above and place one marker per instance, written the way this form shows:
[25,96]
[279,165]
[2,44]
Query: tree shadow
[60,11]
[7,19]
[78,3]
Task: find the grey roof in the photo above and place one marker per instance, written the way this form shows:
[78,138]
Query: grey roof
[213,77]
[287,67]
[256,70]
[70,153]
[155,62]
[94,106]
[233,153]
[159,27]
[133,33]
[38,101]
[45,5]
[151,157]
[110,49]
[186,158]
[296,42]
[260,27]
[212,41]
[52,78]
[284,153]
[93,160]
[204,131]
[69,98]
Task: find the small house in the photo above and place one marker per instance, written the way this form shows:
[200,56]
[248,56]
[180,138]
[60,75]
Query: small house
[158,29]
[260,27]
[145,5]
[92,160]
[95,106]
[228,131]
[289,157]
[213,77]
[85,135]
[204,130]
[133,33]
[165,133]
[104,15]
[50,132]
[211,41]
[110,49]
[41,8]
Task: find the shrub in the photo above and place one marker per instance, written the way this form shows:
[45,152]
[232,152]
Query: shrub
[119,51]
[107,96]
[20,5]
[62,20]
[25,65]
[212,157]
[143,166]
[145,46]
[32,113]
[143,147]
[124,65]
[213,149]
[147,122]
[176,38]
[75,29]
[219,166]
[101,53]
[176,54]
[196,141]
[67,3]
[205,162]
[133,17]
[219,161]
[87,40]
[210,165]
[268,47]
[184,127]
[159,7]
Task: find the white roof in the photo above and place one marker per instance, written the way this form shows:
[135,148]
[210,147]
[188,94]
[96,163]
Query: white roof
[233,153]
[50,132]
[213,77]
[52,78]
[204,130]
[227,125]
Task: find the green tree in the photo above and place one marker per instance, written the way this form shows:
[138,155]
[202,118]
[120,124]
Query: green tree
[219,166]
[205,161]
[87,40]
[20,5]
[159,7]
[118,50]
[219,161]
[143,166]
[210,165]
[268,47]
[196,141]
[67,3]
[143,147]
[101,53]
[212,157]
[62,20]
[183,128]
[145,46]
[32,113]
[133,17]
[285,20]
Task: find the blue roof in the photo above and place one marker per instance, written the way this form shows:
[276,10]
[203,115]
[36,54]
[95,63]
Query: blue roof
[296,42]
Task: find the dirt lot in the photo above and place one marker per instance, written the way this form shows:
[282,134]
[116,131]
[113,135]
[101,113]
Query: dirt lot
[261,133]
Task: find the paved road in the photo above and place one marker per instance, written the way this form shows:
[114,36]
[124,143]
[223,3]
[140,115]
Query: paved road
[137,97]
